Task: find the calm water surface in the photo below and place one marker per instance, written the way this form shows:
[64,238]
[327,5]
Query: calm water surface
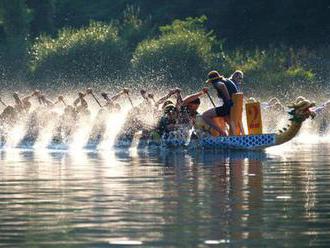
[278,197]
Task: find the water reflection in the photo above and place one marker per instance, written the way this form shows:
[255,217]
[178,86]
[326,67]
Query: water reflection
[165,197]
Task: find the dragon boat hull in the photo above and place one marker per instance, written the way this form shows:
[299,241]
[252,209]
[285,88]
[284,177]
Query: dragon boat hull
[244,142]
[249,142]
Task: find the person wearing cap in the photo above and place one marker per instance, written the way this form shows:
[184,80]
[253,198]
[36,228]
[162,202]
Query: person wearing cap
[189,106]
[168,122]
[225,89]
[43,100]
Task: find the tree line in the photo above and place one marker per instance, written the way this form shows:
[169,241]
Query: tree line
[274,41]
[247,22]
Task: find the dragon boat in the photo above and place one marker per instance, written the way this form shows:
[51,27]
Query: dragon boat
[299,112]
[199,137]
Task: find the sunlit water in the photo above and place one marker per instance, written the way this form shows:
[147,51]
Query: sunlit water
[107,197]
[183,198]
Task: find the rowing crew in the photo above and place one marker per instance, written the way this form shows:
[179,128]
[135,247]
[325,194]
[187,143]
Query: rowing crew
[164,115]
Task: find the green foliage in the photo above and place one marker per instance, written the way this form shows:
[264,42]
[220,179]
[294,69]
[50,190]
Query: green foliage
[84,54]
[189,24]
[184,50]
[181,54]
[132,28]
[275,69]
[240,22]
[317,60]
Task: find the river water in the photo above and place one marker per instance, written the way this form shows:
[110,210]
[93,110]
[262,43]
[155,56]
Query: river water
[166,198]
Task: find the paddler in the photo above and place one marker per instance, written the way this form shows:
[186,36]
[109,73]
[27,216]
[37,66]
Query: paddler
[9,114]
[160,105]
[237,79]
[24,104]
[189,106]
[110,104]
[80,104]
[225,89]
[168,122]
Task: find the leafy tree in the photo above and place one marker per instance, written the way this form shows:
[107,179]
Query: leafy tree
[94,52]
[132,27]
[182,53]
[275,69]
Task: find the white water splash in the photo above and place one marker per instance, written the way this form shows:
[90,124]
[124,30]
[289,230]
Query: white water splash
[82,134]
[15,135]
[45,136]
[114,124]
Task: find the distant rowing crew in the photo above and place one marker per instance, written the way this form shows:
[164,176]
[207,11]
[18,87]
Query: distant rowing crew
[143,116]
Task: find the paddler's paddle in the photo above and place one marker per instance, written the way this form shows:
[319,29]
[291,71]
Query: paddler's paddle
[151,96]
[211,100]
[3,103]
[129,98]
[61,99]
[89,91]
[143,94]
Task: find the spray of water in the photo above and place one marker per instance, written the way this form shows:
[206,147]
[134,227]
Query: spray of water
[45,135]
[82,132]
[15,135]
[114,124]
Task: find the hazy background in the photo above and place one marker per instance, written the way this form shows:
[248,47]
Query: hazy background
[282,46]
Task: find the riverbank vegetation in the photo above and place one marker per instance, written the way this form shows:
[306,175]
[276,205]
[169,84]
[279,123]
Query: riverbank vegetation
[46,42]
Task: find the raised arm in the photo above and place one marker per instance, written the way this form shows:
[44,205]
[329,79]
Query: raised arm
[119,94]
[17,99]
[3,103]
[115,97]
[164,98]
[27,98]
[75,103]
[193,97]
[46,101]
[80,97]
